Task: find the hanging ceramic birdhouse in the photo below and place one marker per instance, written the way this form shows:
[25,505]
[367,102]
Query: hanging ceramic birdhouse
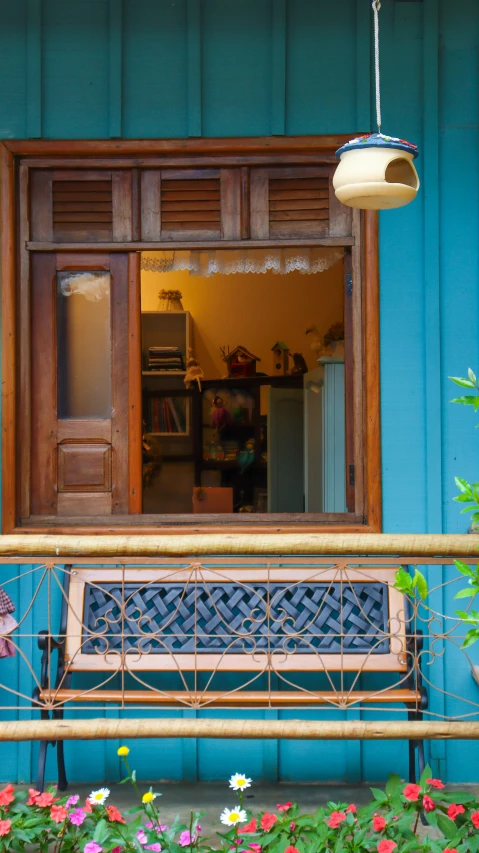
[376,172]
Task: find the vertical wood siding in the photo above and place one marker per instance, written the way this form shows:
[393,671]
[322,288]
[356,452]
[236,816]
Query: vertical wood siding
[155,68]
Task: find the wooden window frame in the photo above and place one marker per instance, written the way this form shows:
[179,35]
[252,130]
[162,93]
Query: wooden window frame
[16,157]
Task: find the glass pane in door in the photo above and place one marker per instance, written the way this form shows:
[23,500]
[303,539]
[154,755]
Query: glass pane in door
[84,344]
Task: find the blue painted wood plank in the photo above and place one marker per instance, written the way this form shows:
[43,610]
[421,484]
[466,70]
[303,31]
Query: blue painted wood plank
[155,93]
[75,69]
[115,68]
[364,75]
[13,62]
[34,68]
[278,69]
[194,66]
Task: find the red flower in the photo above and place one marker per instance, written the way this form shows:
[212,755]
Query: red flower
[33,796]
[256,848]
[44,800]
[114,815]
[118,850]
[379,823]
[335,818]
[58,813]
[284,807]
[291,849]
[87,807]
[252,826]
[411,792]
[436,783]
[268,820]
[428,804]
[475,819]
[385,846]
[450,850]
[6,795]
[351,809]
[292,826]
[455,810]
[5,827]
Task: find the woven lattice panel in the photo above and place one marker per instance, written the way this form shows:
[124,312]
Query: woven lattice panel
[233,618]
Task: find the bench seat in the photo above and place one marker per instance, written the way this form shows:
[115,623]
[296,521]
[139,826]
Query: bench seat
[250,698]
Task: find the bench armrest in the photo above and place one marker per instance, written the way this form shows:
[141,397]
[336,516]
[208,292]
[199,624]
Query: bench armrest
[48,644]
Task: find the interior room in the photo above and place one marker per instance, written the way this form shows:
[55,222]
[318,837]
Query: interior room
[243,381]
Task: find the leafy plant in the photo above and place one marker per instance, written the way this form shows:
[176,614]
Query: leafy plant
[45,822]
[468,492]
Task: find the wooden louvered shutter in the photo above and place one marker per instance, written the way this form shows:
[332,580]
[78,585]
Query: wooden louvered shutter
[81,206]
[295,203]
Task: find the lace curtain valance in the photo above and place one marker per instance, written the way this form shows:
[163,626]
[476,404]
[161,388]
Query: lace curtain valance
[210,262]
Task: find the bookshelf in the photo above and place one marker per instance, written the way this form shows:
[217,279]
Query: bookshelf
[165,339]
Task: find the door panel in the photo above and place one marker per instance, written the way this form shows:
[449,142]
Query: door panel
[285,450]
[80,384]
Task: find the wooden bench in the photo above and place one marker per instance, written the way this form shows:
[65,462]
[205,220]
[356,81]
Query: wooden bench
[231,636]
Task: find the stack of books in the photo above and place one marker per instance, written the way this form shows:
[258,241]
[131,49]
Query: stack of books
[165,358]
[167,414]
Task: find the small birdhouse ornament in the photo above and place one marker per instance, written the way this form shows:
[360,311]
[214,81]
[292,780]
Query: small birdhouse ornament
[280,359]
[376,172]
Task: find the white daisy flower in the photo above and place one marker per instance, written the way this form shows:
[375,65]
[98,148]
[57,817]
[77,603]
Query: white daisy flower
[99,796]
[230,817]
[239,782]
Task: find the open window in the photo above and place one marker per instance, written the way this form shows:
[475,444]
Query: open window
[197,346]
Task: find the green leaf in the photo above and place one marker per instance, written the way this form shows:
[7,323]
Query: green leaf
[378,795]
[101,831]
[393,784]
[446,825]
[403,582]
[472,376]
[471,637]
[426,774]
[463,568]
[468,400]
[464,383]
[466,593]
[420,584]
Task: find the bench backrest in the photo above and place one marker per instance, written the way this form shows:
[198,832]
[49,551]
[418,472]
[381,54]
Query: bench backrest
[235,618]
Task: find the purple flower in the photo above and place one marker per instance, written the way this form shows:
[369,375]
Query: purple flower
[92,847]
[72,801]
[77,817]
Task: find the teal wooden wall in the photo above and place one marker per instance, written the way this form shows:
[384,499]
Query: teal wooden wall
[156,68]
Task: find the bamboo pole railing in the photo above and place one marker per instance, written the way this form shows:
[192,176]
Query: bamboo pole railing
[109,729]
[251,544]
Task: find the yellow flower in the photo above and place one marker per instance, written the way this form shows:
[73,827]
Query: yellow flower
[123,750]
[148,797]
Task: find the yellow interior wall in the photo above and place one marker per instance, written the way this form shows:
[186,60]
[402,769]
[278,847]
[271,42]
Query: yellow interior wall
[254,310]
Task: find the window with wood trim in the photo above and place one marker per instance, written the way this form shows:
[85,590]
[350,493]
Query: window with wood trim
[103,404]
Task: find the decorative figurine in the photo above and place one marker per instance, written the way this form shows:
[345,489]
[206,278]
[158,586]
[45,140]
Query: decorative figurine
[299,365]
[220,415]
[317,346]
[280,359]
[334,341]
[246,456]
[194,372]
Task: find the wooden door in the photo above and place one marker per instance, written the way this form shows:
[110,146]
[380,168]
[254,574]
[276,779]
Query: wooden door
[285,450]
[79,384]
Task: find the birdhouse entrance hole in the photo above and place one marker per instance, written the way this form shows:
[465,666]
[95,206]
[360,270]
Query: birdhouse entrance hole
[401,171]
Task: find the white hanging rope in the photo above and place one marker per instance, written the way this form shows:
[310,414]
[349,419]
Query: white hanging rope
[376,8]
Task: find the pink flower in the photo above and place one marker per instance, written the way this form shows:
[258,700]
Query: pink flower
[428,804]
[141,836]
[252,826]
[411,792]
[351,809]
[475,819]
[116,850]
[33,796]
[186,839]
[58,813]
[385,846]
[44,800]
[156,847]
[335,818]
[77,817]
[256,848]
[6,795]
[379,823]
[436,783]
[292,826]
[450,850]
[283,807]
[454,810]
[92,847]
[72,801]
[5,827]
[268,820]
